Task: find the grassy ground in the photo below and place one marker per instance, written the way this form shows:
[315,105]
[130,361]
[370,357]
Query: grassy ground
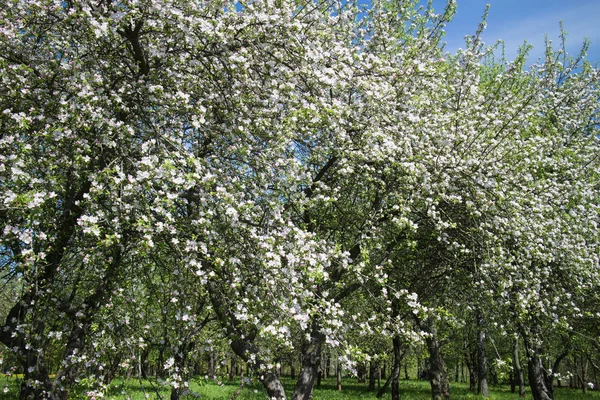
[202,389]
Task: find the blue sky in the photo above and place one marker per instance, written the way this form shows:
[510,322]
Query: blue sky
[517,20]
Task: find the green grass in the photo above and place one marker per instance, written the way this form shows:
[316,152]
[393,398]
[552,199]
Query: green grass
[132,389]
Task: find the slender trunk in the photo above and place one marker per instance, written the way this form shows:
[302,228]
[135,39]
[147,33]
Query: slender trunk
[245,348]
[511,378]
[39,374]
[537,380]
[144,364]
[372,375]
[396,369]
[438,377]
[311,360]
[482,384]
[554,369]
[518,371]
[584,367]
[470,358]
[338,376]
[232,368]
[535,368]
[382,390]
[319,376]
[175,393]
[292,368]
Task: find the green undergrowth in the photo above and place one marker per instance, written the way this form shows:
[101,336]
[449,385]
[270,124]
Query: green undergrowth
[200,388]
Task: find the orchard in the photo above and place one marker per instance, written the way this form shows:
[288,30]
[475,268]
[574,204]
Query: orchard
[280,187]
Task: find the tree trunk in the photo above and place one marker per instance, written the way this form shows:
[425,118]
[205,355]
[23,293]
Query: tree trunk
[438,377]
[470,358]
[482,384]
[382,390]
[243,348]
[372,375]
[273,386]
[584,367]
[292,368]
[537,379]
[518,371]
[311,360]
[511,378]
[44,388]
[175,393]
[319,376]
[338,376]
[396,369]
[232,368]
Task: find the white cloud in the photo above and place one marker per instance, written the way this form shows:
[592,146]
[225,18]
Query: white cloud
[579,22]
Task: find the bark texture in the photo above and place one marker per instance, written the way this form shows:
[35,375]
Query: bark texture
[311,352]
[482,370]
[396,369]
[438,375]
[518,370]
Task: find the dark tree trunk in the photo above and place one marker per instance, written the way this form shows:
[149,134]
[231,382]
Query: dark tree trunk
[470,358]
[44,389]
[292,368]
[511,378]
[372,375]
[175,393]
[482,384]
[518,370]
[438,376]
[396,369]
[537,379]
[319,377]
[311,359]
[211,364]
[382,390]
[232,368]
[584,368]
[144,364]
[406,377]
[361,372]
[338,377]
[246,347]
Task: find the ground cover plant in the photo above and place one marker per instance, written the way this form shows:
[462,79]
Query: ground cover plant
[211,188]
